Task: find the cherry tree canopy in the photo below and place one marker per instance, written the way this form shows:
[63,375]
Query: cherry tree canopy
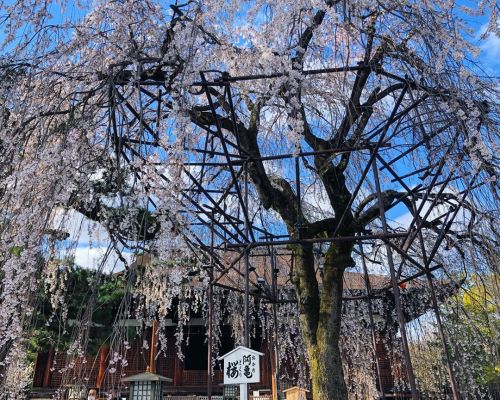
[344,133]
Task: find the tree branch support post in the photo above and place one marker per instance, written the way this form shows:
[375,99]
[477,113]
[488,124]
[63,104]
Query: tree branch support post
[372,324]
[244,386]
[395,288]
[435,306]
[210,295]
[276,372]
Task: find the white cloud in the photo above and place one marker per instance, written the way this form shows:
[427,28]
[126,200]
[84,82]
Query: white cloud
[81,229]
[490,48]
[439,210]
[93,257]
[90,241]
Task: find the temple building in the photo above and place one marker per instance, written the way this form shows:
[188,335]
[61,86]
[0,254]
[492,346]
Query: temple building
[188,372]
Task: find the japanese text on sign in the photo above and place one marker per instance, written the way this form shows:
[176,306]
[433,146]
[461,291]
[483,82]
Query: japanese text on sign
[241,366]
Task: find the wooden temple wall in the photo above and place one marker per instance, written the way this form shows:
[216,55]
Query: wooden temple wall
[51,372]
[50,369]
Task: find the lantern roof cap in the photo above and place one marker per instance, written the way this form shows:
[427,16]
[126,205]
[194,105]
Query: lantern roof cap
[146,377]
[241,348]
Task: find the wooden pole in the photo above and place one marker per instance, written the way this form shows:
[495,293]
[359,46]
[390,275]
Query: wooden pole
[48,365]
[103,355]
[178,369]
[152,350]
[274,387]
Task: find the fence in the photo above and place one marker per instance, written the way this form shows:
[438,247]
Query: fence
[194,397]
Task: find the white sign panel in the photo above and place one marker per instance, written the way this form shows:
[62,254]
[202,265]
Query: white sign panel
[242,365]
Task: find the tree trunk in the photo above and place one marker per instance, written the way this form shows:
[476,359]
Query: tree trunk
[326,371]
[320,307]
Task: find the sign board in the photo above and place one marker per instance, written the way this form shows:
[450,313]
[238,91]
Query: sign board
[241,365]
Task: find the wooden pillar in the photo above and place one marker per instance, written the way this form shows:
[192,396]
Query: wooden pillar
[152,348]
[48,365]
[274,387]
[103,355]
[272,364]
[37,368]
[178,368]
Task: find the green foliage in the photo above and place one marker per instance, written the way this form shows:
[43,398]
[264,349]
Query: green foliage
[478,322]
[16,250]
[54,328]
[472,326]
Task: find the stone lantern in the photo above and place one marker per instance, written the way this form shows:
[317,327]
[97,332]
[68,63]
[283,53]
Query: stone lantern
[146,386]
